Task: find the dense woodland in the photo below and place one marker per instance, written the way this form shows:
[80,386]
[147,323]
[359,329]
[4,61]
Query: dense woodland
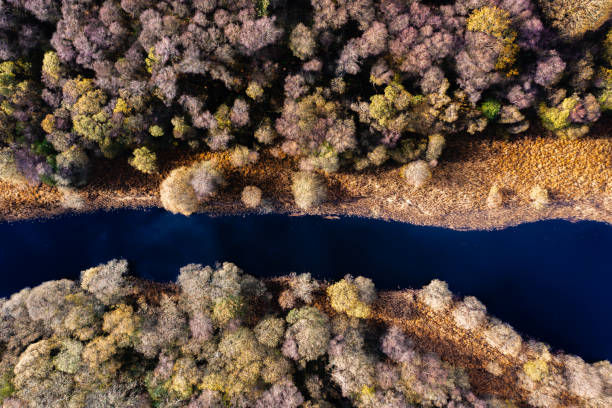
[334,83]
[222,338]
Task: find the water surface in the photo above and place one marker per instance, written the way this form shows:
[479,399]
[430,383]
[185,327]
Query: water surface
[550,280]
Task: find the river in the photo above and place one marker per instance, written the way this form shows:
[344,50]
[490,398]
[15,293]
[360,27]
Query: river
[550,280]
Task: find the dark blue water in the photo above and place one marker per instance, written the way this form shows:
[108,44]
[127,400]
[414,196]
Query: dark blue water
[550,280]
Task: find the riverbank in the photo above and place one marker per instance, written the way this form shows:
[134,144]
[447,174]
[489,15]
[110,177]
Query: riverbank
[577,175]
[437,332]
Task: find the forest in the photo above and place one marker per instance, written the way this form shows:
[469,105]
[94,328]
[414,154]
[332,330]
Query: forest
[334,84]
[219,337]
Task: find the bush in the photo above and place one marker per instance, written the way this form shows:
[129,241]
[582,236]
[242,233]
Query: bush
[144,160]
[583,379]
[71,199]
[352,297]
[284,395]
[242,156]
[495,199]
[436,295]
[73,167]
[503,338]
[107,281]
[303,286]
[539,197]
[302,42]
[186,187]
[265,134]
[416,173]
[470,313]
[205,179]
[308,334]
[251,196]
[286,299]
[177,194]
[309,190]
[228,308]
[121,324]
[434,147]
[269,331]
[6,387]
[397,346]
[8,168]
[573,19]
[490,108]
[47,303]
[201,326]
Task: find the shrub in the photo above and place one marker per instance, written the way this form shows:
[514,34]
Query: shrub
[286,299]
[205,179]
[536,370]
[222,291]
[107,281]
[495,198]
[434,147]
[303,286]
[73,167]
[397,346]
[378,156]
[194,281]
[6,386]
[416,173]
[71,199]
[269,331]
[201,326]
[352,368]
[436,295]
[308,334]
[352,296]
[47,304]
[177,194]
[496,22]
[573,19]
[242,156]
[308,189]
[207,399]
[121,324]
[52,70]
[284,395]
[69,358]
[366,289]
[144,160]
[228,308]
[251,196]
[302,42]
[265,134]
[243,361]
[186,187]
[344,298]
[470,313]
[254,91]
[156,131]
[502,337]
[539,197]
[583,379]
[490,108]
[8,168]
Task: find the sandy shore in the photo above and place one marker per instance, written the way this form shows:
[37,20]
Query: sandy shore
[577,174]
